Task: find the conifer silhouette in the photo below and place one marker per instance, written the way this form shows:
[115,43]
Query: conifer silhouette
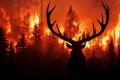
[21,44]
[3,51]
[111,56]
[11,54]
[3,45]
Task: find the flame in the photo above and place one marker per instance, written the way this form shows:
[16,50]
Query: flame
[7,19]
[103,39]
[75,23]
[30,35]
[47,31]
[8,25]
[113,33]
[88,45]
[4,14]
[34,20]
[117,29]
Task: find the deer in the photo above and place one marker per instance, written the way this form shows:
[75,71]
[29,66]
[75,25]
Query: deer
[76,64]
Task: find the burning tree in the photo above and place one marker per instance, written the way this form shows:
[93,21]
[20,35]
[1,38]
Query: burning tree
[71,25]
[36,34]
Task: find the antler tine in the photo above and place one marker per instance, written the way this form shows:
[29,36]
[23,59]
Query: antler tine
[106,8]
[107,13]
[102,24]
[48,13]
[58,30]
[94,30]
[51,9]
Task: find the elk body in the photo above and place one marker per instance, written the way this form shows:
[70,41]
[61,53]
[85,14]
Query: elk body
[77,61]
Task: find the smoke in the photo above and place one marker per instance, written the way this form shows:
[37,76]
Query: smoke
[85,9]
[88,9]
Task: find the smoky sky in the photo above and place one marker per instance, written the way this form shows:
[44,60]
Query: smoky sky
[84,8]
[87,9]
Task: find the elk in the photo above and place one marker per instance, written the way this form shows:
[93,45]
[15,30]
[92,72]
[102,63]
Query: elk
[77,61]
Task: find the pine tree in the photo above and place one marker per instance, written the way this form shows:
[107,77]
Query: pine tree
[21,48]
[11,54]
[3,52]
[21,44]
[11,49]
[111,56]
[70,28]
[3,45]
[36,34]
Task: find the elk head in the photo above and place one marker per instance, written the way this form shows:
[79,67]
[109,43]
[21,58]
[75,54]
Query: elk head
[77,45]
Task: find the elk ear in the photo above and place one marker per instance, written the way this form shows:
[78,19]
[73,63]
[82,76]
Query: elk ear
[69,45]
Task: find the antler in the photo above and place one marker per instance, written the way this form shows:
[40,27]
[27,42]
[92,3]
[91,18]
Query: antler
[101,23]
[50,26]
[84,39]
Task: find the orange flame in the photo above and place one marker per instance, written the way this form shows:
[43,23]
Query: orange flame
[103,39]
[7,18]
[47,31]
[34,20]
[117,29]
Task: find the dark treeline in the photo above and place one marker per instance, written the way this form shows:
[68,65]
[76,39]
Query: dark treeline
[32,62]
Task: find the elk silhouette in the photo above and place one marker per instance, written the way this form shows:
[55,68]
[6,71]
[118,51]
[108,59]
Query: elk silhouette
[77,61]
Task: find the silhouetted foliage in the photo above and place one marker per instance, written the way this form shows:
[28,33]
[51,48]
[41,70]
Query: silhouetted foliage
[111,56]
[11,54]
[21,44]
[6,57]
[36,34]
[3,45]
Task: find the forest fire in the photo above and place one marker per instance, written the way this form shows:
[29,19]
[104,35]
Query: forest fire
[34,21]
[34,43]
[103,40]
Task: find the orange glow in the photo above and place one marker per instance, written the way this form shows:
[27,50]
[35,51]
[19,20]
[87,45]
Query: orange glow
[34,20]
[88,45]
[117,29]
[47,31]
[60,41]
[30,36]
[8,26]
[104,41]
[74,23]
[5,16]
[7,22]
